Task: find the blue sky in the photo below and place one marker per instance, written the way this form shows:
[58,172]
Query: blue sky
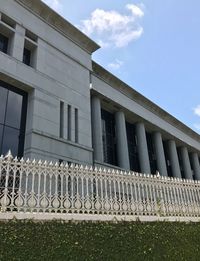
[152,45]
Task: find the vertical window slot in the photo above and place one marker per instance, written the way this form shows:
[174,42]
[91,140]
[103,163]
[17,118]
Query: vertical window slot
[76,125]
[69,117]
[61,119]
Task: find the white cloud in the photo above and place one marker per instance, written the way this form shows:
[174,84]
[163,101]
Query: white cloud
[115,65]
[103,44]
[54,4]
[114,28]
[136,10]
[197,110]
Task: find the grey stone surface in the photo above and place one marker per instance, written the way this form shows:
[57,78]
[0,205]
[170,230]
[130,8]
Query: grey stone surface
[186,163]
[142,148]
[173,156]
[17,43]
[160,156]
[97,129]
[121,139]
[195,165]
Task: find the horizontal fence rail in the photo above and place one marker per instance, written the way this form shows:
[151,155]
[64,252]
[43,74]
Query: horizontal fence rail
[43,187]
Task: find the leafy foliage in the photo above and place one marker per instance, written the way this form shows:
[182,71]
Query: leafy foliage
[27,241]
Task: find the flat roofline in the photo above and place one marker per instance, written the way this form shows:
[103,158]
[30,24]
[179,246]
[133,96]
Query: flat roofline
[40,9]
[124,88]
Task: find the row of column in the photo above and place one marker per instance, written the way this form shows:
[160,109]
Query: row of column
[122,147]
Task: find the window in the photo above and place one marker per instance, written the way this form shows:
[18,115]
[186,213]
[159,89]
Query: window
[132,147]
[27,57]
[180,162]
[108,137]
[13,107]
[69,120]
[61,119]
[30,47]
[3,43]
[76,125]
[168,163]
[152,155]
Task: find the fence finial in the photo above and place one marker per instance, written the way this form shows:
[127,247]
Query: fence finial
[9,155]
[157,173]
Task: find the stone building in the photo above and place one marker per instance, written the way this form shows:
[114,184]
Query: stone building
[58,104]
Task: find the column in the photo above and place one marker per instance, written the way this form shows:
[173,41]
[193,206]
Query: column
[97,129]
[17,43]
[195,165]
[173,157]
[142,148]
[160,155]
[39,56]
[186,163]
[121,139]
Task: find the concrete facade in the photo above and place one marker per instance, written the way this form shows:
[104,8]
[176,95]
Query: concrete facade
[61,74]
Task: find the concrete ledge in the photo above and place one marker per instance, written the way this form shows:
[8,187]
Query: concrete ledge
[91,217]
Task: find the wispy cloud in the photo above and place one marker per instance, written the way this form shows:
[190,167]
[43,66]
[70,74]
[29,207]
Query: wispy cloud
[197,110]
[113,28]
[54,4]
[115,65]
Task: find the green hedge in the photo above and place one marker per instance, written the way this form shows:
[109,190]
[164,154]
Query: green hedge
[99,241]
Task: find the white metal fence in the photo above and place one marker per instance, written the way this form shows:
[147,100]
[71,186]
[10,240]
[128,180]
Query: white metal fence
[43,187]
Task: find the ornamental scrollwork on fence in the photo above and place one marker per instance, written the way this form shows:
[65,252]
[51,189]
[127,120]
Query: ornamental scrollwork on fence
[31,186]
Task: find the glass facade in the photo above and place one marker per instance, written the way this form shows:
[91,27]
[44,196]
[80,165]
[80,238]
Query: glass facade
[132,147]
[108,133]
[180,163]
[3,43]
[13,107]
[168,163]
[152,154]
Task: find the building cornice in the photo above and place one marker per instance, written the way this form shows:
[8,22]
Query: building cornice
[52,18]
[119,85]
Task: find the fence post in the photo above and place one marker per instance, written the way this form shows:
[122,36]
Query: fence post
[5,200]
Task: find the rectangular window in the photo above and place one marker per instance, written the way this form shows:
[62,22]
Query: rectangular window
[61,119]
[76,125]
[132,147]
[108,137]
[69,117]
[27,57]
[13,105]
[3,43]
[151,151]
[30,49]
[168,163]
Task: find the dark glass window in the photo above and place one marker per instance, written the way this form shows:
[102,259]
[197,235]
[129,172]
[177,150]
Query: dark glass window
[108,133]
[1,135]
[76,125]
[192,166]
[14,108]
[180,163]
[152,154]
[168,163]
[27,56]
[10,140]
[3,43]
[3,101]
[132,147]
[13,105]
[61,119]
